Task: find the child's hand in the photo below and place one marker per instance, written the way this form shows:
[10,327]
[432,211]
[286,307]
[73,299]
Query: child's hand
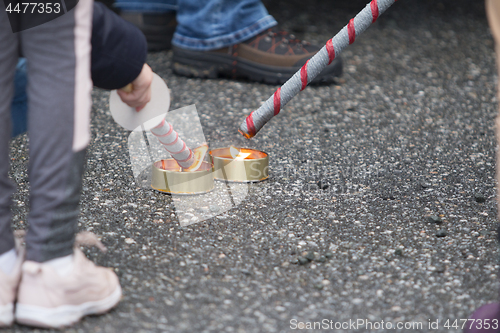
[141,91]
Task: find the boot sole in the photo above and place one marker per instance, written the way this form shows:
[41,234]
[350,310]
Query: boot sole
[208,65]
[6,315]
[65,315]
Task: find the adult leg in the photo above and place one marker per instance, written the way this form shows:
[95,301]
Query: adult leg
[19,108]
[239,39]
[212,24]
[146,6]
[155,18]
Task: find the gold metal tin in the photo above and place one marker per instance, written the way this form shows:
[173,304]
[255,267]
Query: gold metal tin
[254,168]
[166,177]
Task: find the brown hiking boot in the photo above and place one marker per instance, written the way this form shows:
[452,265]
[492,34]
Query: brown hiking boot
[272,56]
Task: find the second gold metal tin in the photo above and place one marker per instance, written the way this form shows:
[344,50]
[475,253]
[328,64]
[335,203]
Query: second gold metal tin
[255,168]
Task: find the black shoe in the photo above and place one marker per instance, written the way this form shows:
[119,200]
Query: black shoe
[271,57]
[158,28]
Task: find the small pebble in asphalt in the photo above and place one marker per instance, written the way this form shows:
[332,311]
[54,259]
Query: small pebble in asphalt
[484,232]
[310,256]
[294,261]
[321,259]
[435,219]
[388,196]
[479,197]
[303,261]
[214,208]
[440,269]
[323,185]
[329,255]
[425,185]
[318,286]
[441,233]
[398,252]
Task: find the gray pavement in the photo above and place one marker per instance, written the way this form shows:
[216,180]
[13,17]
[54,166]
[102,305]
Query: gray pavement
[407,133]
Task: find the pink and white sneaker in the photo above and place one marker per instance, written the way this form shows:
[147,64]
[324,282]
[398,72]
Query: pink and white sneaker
[8,288]
[49,300]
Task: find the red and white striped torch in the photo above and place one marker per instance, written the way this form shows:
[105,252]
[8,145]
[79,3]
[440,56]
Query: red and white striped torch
[152,117]
[188,160]
[258,118]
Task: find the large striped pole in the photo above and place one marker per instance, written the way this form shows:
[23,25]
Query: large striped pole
[258,118]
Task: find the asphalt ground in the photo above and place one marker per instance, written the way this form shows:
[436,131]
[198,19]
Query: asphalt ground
[407,133]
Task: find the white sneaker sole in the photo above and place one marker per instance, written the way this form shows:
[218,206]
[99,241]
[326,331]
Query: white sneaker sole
[64,315]
[6,315]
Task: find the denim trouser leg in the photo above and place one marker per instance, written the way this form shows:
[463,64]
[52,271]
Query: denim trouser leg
[149,6]
[208,24]
[19,107]
[212,24]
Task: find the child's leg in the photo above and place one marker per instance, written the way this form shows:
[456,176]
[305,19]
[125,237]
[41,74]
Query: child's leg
[59,102]
[59,285]
[8,60]
[9,260]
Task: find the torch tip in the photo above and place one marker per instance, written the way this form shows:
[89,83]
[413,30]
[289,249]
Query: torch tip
[246,135]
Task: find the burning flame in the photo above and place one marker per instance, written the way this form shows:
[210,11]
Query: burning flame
[238,155]
[199,155]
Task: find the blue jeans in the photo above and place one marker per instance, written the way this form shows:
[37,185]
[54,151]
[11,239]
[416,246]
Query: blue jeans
[19,109]
[151,6]
[208,24]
